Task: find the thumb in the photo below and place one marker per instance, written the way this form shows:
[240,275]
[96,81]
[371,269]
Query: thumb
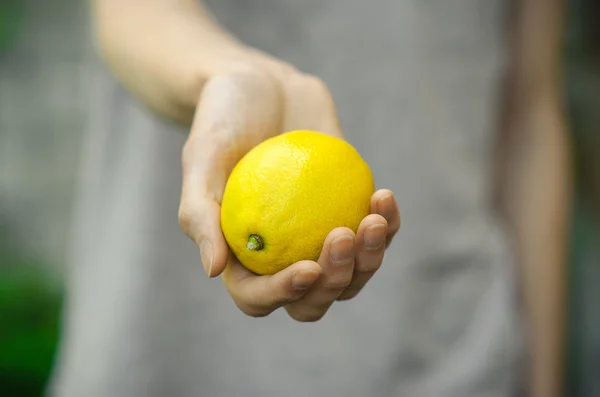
[199,217]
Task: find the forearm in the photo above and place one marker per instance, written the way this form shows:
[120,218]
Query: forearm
[163,50]
[536,183]
[537,203]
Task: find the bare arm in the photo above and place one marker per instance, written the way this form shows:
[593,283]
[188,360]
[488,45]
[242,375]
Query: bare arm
[164,51]
[536,184]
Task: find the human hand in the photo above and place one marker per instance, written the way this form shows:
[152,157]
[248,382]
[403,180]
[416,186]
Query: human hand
[237,111]
[169,56]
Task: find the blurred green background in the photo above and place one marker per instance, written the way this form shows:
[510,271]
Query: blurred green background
[42,110]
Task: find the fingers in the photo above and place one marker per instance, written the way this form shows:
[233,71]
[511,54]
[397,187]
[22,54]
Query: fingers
[258,296]
[235,112]
[370,247]
[384,204]
[337,262]
[375,233]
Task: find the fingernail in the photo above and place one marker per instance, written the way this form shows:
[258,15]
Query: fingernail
[375,237]
[304,280]
[386,206]
[206,253]
[342,250]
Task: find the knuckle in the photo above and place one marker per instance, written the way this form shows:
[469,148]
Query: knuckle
[309,313]
[369,267]
[316,86]
[189,219]
[252,310]
[231,81]
[394,224]
[287,298]
[248,70]
[184,218]
[308,85]
[287,71]
[279,294]
[348,294]
[335,284]
[245,77]
[307,317]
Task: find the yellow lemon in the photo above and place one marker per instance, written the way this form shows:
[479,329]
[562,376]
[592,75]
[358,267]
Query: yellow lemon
[286,194]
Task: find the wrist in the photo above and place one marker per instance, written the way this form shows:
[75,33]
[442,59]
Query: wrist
[164,55]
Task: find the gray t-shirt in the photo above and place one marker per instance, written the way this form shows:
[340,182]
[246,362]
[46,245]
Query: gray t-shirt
[416,84]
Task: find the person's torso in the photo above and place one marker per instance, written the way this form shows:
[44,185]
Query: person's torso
[416,84]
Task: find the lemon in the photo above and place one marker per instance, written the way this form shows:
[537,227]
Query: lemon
[287,193]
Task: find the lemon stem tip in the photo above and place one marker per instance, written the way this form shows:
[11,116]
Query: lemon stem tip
[255,243]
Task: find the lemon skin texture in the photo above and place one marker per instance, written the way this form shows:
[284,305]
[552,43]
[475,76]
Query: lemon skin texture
[287,193]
